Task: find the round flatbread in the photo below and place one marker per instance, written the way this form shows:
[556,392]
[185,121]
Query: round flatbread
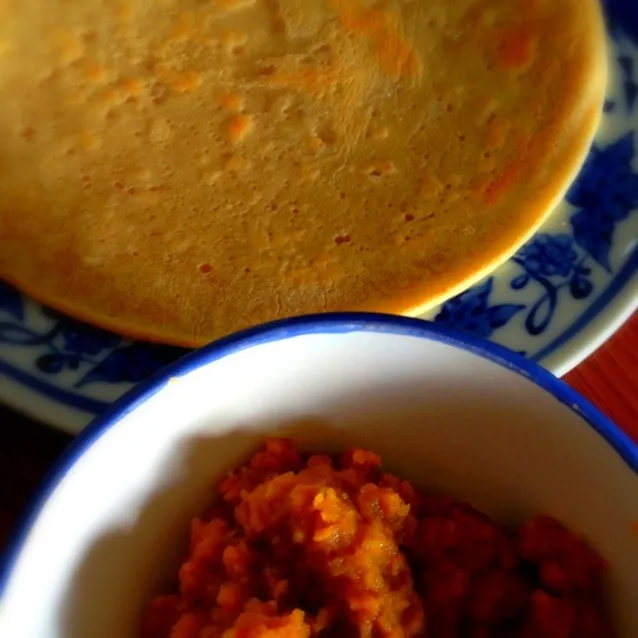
[178,169]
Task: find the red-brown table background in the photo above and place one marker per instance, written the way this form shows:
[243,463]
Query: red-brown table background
[609,379]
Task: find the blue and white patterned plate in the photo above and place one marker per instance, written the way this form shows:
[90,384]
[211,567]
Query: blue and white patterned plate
[560,297]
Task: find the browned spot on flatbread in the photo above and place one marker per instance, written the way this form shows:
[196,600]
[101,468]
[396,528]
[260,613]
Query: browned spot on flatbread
[239,126]
[395,52]
[516,46]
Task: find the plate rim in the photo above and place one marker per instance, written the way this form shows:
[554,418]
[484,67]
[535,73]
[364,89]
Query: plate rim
[612,309]
[65,410]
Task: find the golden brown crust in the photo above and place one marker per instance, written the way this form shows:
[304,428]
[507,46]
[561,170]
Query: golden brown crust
[181,169]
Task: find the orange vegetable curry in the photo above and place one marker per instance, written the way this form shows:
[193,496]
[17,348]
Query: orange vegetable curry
[312,545]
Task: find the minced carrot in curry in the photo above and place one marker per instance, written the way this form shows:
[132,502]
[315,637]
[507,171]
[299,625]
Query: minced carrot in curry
[314,545]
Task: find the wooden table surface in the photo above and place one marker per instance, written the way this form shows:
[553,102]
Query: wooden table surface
[609,379]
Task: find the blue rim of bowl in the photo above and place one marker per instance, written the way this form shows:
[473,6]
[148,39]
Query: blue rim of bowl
[335,323]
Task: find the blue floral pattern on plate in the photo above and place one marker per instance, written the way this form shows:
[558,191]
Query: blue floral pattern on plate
[582,265]
[605,194]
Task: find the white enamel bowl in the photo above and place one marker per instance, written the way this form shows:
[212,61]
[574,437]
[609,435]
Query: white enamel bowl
[449,411]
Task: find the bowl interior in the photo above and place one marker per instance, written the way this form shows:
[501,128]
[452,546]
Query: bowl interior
[114,528]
